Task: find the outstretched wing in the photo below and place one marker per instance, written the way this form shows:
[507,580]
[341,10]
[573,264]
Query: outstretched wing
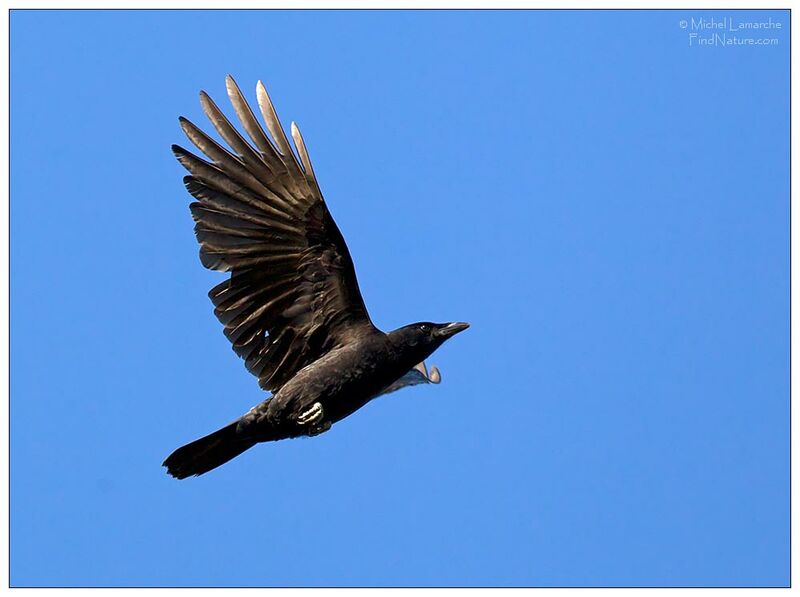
[417,374]
[292,294]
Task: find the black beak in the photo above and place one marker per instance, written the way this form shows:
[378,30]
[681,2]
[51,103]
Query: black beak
[451,329]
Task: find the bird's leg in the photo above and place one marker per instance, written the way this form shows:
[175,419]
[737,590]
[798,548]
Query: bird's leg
[311,416]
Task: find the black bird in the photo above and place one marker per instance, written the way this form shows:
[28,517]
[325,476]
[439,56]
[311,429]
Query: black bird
[291,307]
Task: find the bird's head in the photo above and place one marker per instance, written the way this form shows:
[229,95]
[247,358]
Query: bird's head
[422,338]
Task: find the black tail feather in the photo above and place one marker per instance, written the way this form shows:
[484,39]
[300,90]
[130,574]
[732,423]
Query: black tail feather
[207,453]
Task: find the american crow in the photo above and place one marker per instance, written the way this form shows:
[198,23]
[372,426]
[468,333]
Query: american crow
[291,307]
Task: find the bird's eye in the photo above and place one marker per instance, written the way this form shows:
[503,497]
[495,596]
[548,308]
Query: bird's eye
[425,328]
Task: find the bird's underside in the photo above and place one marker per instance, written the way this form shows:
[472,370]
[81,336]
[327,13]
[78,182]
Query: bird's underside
[291,305]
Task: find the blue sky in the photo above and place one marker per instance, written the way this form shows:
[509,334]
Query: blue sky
[604,202]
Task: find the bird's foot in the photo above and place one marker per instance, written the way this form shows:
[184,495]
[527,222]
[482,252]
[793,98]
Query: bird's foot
[312,416]
[313,419]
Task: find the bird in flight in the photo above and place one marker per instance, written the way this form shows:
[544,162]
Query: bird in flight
[291,306]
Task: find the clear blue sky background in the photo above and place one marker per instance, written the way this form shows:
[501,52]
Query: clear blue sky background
[607,205]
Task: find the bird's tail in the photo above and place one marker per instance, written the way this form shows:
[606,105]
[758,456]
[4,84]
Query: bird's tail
[207,453]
